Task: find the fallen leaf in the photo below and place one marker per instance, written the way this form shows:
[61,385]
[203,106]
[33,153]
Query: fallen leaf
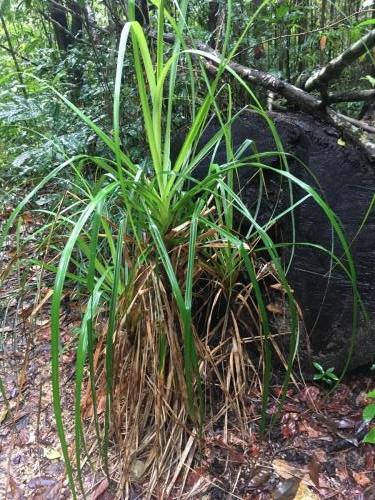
[346,423]
[287,471]
[14,489]
[195,475]
[137,469]
[304,493]
[279,286]
[341,142]
[362,479]
[305,427]
[320,456]
[41,482]
[49,293]
[100,489]
[275,308]
[289,425]
[3,415]
[314,469]
[287,489]
[23,437]
[259,478]
[323,42]
[50,493]
[52,453]
[370,459]
[22,377]
[342,474]
[310,396]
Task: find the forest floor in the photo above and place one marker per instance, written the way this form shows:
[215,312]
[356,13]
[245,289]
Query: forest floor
[314,451]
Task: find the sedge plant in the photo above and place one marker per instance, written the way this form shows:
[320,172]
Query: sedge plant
[148,244]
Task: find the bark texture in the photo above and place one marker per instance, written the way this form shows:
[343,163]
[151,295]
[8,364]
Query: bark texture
[343,175]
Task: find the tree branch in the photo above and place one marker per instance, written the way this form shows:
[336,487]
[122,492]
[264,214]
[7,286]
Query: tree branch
[336,66]
[20,56]
[295,95]
[358,123]
[13,55]
[302,99]
[351,96]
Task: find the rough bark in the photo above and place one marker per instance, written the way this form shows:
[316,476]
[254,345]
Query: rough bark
[346,180]
[351,96]
[59,18]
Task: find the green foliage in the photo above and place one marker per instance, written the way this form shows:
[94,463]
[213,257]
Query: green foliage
[327,376]
[368,416]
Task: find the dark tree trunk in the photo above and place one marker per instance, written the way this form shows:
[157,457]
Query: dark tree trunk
[77,14]
[213,13]
[59,20]
[141,13]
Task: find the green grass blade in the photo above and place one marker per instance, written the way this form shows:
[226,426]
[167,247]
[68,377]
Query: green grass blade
[109,341]
[55,325]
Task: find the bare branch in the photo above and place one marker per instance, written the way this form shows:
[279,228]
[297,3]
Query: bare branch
[341,122]
[336,66]
[351,96]
[358,123]
[295,95]
[302,99]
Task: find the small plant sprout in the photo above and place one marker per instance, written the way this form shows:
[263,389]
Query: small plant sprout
[327,376]
[369,416]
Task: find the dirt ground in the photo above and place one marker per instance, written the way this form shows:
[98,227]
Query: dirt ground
[315,448]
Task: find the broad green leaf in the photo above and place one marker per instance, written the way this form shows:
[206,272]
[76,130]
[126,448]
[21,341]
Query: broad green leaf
[370,437]
[369,412]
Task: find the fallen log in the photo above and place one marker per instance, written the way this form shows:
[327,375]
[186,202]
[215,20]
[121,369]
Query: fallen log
[342,174]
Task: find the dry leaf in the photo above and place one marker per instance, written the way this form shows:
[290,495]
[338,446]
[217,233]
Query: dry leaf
[342,474]
[287,489]
[259,478]
[361,479]
[14,489]
[22,378]
[51,493]
[314,469]
[304,426]
[304,493]
[137,469]
[279,286]
[274,308]
[287,471]
[88,407]
[323,42]
[195,476]
[52,453]
[3,415]
[48,295]
[100,489]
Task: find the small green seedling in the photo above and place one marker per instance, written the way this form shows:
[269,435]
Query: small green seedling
[368,416]
[327,376]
